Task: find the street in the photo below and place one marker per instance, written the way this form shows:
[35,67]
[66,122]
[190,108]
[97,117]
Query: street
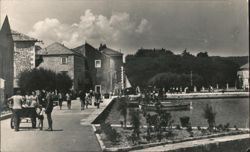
[72,132]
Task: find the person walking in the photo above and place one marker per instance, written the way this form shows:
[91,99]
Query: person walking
[16,108]
[33,104]
[87,98]
[68,98]
[49,109]
[97,99]
[60,98]
[82,99]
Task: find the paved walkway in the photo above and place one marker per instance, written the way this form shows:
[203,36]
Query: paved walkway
[187,144]
[72,132]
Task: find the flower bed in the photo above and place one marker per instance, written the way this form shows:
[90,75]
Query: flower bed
[125,142]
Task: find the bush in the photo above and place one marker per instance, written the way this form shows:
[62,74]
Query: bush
[184,121]
[42,79]
[110,132]
[209,114]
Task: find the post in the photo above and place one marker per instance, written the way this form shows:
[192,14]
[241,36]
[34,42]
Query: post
[122,77]
[191,75]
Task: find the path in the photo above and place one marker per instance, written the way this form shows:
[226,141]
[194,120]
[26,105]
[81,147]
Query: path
[72,132]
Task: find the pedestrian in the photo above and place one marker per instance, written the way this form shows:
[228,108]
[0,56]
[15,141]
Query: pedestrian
[91,95]
[87,100]
[97,99]
[60,99]
[82,99]
[68,98]
[49,109]
[16,100]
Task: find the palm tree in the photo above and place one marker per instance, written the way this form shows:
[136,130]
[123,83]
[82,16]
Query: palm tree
[122,107]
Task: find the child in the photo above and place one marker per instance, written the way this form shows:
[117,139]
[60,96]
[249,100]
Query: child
[40,115]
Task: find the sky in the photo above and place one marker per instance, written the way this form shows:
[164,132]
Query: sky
[219,27]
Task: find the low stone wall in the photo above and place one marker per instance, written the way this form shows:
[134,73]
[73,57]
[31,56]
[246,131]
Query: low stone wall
[240,145]
[208,95]
[102,116]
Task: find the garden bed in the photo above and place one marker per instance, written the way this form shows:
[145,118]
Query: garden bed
[124,140]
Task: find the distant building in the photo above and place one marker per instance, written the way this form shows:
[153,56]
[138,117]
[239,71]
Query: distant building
[59,58]
[6,60]
[103,67]
[243,75]
[24,54]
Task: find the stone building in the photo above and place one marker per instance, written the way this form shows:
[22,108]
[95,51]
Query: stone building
[6,60]
[59,58]
[24,54]
[102,67]
[243,75]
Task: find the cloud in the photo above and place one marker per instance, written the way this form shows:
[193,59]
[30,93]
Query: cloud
[117,29]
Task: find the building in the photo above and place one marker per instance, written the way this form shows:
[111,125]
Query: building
[24,54]
[59,58]
[6,60]
[102,67]
[243,75]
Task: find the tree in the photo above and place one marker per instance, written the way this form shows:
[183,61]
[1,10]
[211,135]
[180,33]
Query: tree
[202,54]
[43,79]
[122,107]
[209,114]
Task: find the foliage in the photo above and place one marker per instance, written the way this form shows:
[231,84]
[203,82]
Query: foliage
[42,79]
[110,132]
[184,121]
[158,68]
[209,114]
[122,107]
[135,121]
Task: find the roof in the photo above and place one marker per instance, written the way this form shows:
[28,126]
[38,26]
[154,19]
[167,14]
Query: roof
[110,52]
[56,48]
[21,37]
[79,48]
[245,66]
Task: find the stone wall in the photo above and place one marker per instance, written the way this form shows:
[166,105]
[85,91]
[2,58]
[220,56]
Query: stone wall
[24,58]
[99,76]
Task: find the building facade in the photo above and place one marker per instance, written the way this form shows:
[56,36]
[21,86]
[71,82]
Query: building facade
[6,60]
[102,69]
[243,75]
[60,59]
[24,54]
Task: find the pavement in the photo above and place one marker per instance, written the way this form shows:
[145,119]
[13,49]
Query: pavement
[175,146]
[72,132]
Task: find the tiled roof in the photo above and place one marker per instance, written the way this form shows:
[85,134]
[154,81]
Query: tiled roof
[110,52]
[245,66]
[21,37]
[79,48]
[55,49]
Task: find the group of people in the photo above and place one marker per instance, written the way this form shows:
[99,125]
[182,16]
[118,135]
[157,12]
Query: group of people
[88,98]
[67,97]
[43,103]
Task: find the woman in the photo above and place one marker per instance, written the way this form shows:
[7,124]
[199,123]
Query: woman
[60,98]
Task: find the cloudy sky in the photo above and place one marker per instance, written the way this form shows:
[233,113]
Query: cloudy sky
[219,27]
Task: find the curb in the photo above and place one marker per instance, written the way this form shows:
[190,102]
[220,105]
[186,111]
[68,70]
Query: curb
[103,147]
[6,116]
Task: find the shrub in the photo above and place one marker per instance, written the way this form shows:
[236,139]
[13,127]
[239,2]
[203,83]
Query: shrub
[184,121]
[135,121]
[110,132]
[209,114]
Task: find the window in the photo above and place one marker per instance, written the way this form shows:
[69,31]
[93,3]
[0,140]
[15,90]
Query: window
[98,63]
[64,60]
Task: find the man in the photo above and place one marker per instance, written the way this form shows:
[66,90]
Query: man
[48,109]
[16,108]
